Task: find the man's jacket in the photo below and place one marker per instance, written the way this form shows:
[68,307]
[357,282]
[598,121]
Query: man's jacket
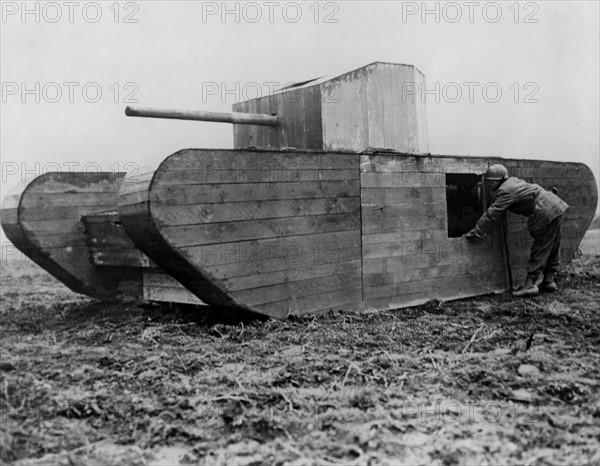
[520,197]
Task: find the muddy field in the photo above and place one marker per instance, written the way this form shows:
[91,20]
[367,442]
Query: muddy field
[490,380]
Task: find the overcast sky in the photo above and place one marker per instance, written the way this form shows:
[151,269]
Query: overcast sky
[542,56]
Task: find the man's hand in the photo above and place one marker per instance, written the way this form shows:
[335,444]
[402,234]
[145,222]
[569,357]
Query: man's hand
[471,235]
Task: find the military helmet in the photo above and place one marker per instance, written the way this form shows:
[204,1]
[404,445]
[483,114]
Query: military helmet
[496,172]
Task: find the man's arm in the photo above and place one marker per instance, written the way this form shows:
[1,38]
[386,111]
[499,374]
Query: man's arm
[494,212]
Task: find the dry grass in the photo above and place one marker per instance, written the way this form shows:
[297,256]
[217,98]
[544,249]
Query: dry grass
[491,380]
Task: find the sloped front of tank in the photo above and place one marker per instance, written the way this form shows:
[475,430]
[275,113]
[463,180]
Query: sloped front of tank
[269,232]
[44,222]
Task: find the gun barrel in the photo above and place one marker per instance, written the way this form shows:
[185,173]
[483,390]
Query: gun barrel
[237,118]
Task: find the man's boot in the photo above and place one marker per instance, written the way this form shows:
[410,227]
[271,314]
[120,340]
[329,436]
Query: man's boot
[548,284]
[529,288]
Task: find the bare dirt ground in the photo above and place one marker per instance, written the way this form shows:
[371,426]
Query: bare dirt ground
[490,380]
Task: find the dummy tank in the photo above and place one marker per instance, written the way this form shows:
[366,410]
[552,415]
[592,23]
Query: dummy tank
[330,199]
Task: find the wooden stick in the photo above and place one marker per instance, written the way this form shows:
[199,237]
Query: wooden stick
[506,252]
[472,338]
[350,366]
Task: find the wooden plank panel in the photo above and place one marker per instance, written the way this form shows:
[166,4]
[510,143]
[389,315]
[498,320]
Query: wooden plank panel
[267,136]
[56,237]
[294,290]
[438,287]
[405,235]
[281,254]
[414,255]
[230,267]
[386,229]
[244,192]
[402,195]
[564,172]
[65,183]
[214,160]
[419,298]
[158,286]
[120,258]
[392,212]
[427,165]
[133,197]
[249,133]
[260,137]
[109,244]
[45,227]
[392,116]
[407,256]
[77,256]
[313,117]
[299,111]
[258,132]
[107,233]
[240,132]
[226,212]
[60,245]
[100,200]
[421,115]
[224,232]
[345,112]
[248,173]
[412,274]
[374,223]
[317,248]
[245,282]
[253,131]
[401,180]
[291,118]
[425,251]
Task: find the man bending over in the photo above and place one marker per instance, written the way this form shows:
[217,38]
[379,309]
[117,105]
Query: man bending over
[544,209]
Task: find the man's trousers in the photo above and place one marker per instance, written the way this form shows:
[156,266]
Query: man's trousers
[545,251]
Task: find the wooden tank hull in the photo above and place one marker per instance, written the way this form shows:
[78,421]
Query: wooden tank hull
[44,222]
[67,223]
[286,233]
[270,232]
